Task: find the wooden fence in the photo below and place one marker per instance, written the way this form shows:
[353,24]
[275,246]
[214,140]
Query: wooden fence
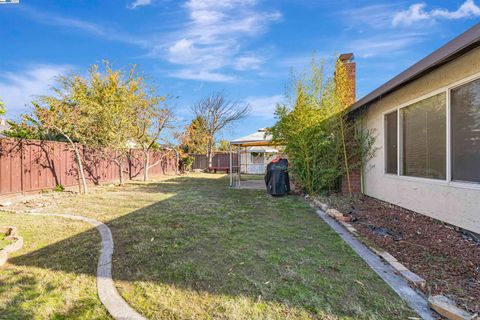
[30,165]
[218,160]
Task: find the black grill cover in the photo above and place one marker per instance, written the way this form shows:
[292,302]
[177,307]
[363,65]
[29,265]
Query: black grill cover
[276,178]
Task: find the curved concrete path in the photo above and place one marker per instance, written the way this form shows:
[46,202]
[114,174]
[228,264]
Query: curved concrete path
[108,294]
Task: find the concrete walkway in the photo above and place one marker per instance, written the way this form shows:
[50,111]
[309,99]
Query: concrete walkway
[108,294]
[252,184]
[415,300]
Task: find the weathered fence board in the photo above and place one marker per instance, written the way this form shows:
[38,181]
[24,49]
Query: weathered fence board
[30,165]
[218,160]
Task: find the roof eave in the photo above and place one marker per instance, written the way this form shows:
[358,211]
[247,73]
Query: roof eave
[464,43]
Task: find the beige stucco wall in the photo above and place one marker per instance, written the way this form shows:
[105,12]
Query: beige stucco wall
[458,204]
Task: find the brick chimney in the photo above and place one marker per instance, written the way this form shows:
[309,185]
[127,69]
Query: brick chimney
[355,177]
[348,61]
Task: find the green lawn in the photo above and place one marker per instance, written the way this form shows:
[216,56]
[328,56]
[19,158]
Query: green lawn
[51,277]
[191,248]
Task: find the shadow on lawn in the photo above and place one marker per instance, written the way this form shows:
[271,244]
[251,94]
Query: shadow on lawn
[210,238]
[25,284]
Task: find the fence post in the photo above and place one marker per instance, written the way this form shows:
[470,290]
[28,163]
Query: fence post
[129,160]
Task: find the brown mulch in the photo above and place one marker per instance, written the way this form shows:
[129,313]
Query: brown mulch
[440,253]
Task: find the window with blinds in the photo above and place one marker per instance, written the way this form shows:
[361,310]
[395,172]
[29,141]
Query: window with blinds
[391,141]
[423,135]
[465,132]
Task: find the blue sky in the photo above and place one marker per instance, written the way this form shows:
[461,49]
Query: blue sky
[247,48]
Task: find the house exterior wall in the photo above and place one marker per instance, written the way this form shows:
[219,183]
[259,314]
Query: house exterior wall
[250,167]
[258,167]
[452,202]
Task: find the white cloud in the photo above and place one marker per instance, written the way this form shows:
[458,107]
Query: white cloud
[384,44]
[417,12]
[202,75]
[139,3]
[213,37]
[467,10]
[56,20]
[264,106]
[211,40]
[376,16]
[247,62]
[18,89]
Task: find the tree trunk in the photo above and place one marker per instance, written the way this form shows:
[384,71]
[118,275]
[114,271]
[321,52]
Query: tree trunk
[146,165]
[120,171]
[82,183]
[120,177]
[177,161]
[209,154]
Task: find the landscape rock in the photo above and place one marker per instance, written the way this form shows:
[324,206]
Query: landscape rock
[8,231]
[15,246]
[352,229]
[4,230]
[5,203]
[320,204]
[387,257]
[337,215]
[334,213]
[398,266]
[447,308]
[413,278]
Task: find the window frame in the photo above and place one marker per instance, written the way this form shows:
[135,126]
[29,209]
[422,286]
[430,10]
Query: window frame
[448,161]
[385,151]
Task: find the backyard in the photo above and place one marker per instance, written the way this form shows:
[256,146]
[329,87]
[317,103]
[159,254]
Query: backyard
[189,247]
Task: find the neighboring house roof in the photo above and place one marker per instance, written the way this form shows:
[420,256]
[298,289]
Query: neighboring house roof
[259,138]
[467,41]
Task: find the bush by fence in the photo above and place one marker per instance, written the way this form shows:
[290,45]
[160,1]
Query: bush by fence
[30,165]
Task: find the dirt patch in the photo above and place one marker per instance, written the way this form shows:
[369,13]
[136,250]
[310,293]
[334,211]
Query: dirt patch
[447,258]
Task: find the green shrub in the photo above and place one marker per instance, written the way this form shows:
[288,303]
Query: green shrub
[322,144]
[188,162]
[59,188]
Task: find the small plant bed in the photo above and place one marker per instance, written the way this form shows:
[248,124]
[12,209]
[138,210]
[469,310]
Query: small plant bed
[446,257]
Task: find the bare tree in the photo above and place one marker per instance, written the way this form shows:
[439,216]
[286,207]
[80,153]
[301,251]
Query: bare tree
[218,112]
[152,120]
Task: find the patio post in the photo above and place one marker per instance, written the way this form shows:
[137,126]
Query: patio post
[239,164]
[231,166]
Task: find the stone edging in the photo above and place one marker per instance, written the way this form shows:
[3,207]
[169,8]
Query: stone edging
[440,304]
[11,233]
[107,292]
[414,299]
[410,276]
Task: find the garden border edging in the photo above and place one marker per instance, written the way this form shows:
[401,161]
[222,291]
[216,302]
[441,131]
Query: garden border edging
[108,294]
[417,301]
[10,232]
[409,275]
[448,310]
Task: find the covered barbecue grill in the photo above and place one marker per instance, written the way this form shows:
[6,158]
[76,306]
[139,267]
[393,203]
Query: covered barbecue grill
[276,177]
